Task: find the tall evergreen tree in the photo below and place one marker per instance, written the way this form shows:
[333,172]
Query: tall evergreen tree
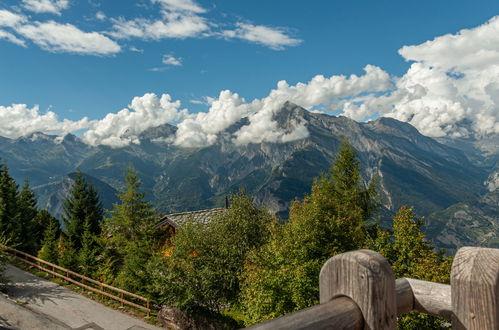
[81,205]
[27,219]
[9,206]
[40,223]
[282,276]
[129,232]
[50,244]
[88,252]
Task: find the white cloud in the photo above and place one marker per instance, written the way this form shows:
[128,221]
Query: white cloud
[46,6]
[201,129]
[468,49]
[451,89]
[122,128]
[169,59]
[174,25]
[274,38]
[18,120]
[12,38]
[100,16]
[180,5]
[56,37]
[10,19]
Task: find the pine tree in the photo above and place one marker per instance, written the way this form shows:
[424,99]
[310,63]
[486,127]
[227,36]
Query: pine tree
[9,206]
[282,276]
[89,250]
[68,256]
[50,245]
[129,231]
[41,222]
[81,205]
[26,219]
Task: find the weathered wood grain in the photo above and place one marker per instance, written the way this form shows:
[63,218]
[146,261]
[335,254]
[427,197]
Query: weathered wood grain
[365,277]
[432,298]
[340,313]
[475,289]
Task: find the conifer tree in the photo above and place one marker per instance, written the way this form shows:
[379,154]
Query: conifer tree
[50,245]
[129,232]
[27,239]
[282,276]
[9,206]
[40,223]
[88,252]
[81,205]
[68,255]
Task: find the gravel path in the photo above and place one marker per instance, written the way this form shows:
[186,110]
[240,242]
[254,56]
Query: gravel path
[42,304]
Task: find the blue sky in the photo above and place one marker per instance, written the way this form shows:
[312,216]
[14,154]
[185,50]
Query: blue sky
[92,57]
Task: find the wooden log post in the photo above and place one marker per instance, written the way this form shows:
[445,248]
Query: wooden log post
[475,289]
[365,277]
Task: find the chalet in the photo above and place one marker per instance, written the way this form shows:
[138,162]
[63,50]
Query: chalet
[174,220]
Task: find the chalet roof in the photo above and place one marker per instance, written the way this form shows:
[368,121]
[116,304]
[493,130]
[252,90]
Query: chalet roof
[201,216]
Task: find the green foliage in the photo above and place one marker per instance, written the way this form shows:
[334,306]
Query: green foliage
[87,262]
[129,237]
[282,276]
[82,205]
[9,205]
[39,224]
[26,220]
[50,245]
[411,255]
[201,268]
[68,255]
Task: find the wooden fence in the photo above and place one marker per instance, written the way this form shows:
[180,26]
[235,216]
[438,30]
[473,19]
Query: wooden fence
[80,280]
[358,291]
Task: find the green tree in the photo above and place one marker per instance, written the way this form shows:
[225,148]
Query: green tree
[82,204]
[411,255]
[9,206]
[50,244]
[201,268]
[68,255]
[129,234]
[87,262]
[282,276]
[25,224]
[40,223]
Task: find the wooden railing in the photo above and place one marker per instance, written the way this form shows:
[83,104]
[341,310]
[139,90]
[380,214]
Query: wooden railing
[358,291]
[80,280]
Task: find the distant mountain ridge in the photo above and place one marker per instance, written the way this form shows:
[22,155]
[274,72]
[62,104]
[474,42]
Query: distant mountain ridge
[412,169]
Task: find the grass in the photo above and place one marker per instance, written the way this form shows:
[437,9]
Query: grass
[89,294]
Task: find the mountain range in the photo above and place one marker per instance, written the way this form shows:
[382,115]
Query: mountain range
[447,180]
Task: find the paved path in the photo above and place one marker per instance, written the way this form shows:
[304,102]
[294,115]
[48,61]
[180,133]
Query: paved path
[47,305]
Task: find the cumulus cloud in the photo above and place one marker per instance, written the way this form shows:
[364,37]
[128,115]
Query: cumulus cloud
[46,6]
[56,37]
[451,88]
[169,59]
[19,120]
[274,38]
[122,128]
[201,129]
